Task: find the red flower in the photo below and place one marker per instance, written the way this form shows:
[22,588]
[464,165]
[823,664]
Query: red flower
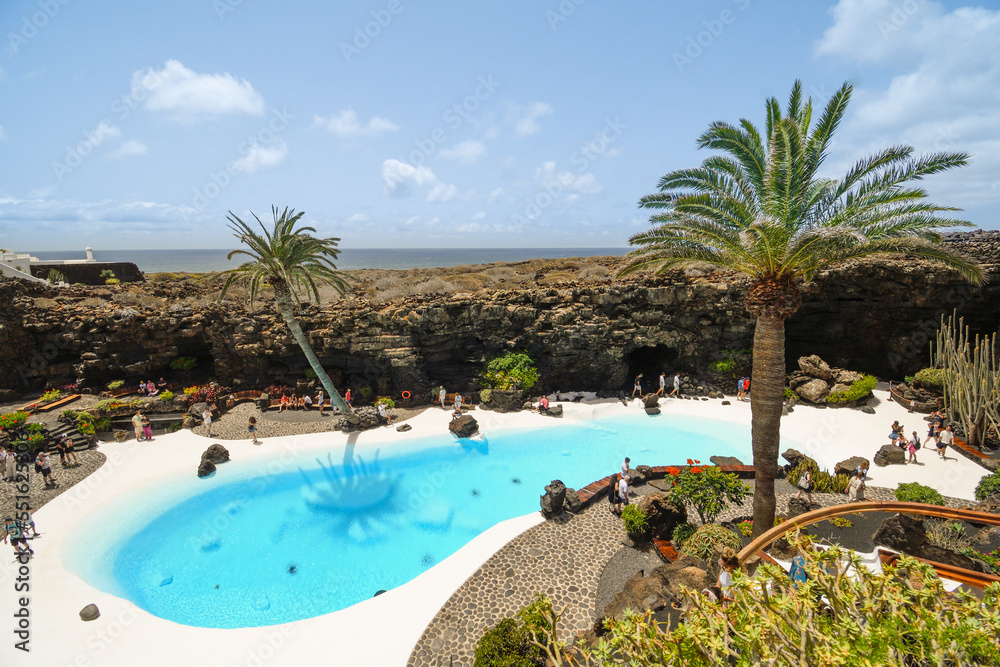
[690,462]
[696,470]
[673,472]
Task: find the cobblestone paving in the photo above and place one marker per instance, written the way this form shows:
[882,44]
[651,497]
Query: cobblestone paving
[38,494]
[564,559]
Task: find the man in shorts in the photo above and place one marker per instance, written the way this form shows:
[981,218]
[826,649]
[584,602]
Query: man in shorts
[945,438]
[442,396]
[638,385]
[137,425]
[677,385]
[15,532]
[663,384]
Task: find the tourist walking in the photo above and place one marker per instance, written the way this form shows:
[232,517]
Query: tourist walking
[321,402]
[663,384]
[945,438]
[442,396]
[206,417]
[13,530]
[625,466]
[638,385]
[913,447]
[42,466]
[806,485]
[347,398]
[147,427]
[252,428]
[137,425]
[613,493]
[67,452]
[623,491]
[677,385]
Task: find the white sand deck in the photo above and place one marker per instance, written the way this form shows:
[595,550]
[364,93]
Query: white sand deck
[379,631]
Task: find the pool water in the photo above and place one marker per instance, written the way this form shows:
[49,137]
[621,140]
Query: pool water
[336,527]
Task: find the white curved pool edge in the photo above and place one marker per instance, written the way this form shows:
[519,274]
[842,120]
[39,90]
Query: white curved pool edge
[379,631]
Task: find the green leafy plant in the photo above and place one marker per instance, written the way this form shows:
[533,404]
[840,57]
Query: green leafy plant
[486,395]
[107,273]
[708,490]
[13,420]
[682,532]
[366,393]
[708,538]
[116,384]
[514,370]
[311,374]
[386,401]
[183,363]
[166,395]
[68,415]
[841,522]
[50,395]
[912,492]
[733,362]
[745,527]
[988,485]
[908,379]
[788,393]
[635,521]
[858,390]
[112,281]
[56,276]
[518,641]
[930,378]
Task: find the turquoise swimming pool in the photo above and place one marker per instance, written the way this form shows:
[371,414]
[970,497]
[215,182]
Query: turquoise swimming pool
[330,530]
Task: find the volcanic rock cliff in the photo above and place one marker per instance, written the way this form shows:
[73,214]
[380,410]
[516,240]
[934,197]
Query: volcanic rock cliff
[590,332]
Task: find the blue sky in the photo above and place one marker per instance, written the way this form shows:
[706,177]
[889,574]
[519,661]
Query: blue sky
[400,124]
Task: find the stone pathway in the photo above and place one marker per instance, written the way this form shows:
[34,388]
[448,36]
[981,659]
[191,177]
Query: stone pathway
[38,495]
[565,560]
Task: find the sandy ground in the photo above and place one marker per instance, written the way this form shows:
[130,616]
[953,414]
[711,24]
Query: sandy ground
[379,631]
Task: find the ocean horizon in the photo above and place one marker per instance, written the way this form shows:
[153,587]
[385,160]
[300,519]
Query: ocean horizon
[351,259]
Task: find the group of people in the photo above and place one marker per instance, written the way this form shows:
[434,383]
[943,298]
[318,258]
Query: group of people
[676,391]
[150,389]
[303,402]
[938,432]
[456,403]
[855,488]
[142,426]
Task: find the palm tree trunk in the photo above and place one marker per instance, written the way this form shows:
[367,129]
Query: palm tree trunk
[767,389]
[287,310]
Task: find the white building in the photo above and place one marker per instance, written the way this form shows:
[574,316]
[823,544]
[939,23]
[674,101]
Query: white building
[18,264]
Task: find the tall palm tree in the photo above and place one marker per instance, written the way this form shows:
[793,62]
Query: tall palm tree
[761,207]
[290,260]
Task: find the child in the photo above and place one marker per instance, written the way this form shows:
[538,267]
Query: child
[252,428]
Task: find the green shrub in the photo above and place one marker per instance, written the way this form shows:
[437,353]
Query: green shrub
[51,395]
[912,492]
[723,365]
[908,379]
[788,393]
[745,528]
[56,276]
[509,642]
[988,485]
[116,384]
[635,521]
[930,378]
[366,393]
[708,538]
[183,363]
[112,281]
[386,401]
[823,482]
[840,483]
[311,374]
[107,273]
[708,490]
[514,370]
[682,532]
[166,395]
[69,415]
[486,395]
[13,420]
[858,390]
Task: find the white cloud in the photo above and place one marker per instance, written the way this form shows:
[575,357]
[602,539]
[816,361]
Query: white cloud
[945,96]
[401,178]
[465,152]
[100,216]
[551,179]
[261,157]
[179,90]
[525,118]
[128,148]
[496,194]
[345,124]
[479,215]
[358,217]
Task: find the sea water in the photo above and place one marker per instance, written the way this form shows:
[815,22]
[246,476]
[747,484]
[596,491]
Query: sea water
[336,527]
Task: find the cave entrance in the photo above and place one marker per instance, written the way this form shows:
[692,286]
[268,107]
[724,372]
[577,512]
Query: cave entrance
[651,361]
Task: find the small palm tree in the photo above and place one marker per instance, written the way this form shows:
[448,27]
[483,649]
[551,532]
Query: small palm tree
[290,260]
[762,208]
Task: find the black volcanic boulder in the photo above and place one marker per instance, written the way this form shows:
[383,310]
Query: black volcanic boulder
[552,501]
[901,532]
[848,466]
[554,411]
[795,457]
[507,401]
[663,516]
[572,502]
[216,454]
[465,426]
[197,409]
[797,506]
[650,401]
[205,468]
[889,455]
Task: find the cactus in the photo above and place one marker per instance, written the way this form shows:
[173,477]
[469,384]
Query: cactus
[971,377]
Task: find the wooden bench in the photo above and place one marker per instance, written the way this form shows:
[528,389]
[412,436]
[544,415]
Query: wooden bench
[58,404]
